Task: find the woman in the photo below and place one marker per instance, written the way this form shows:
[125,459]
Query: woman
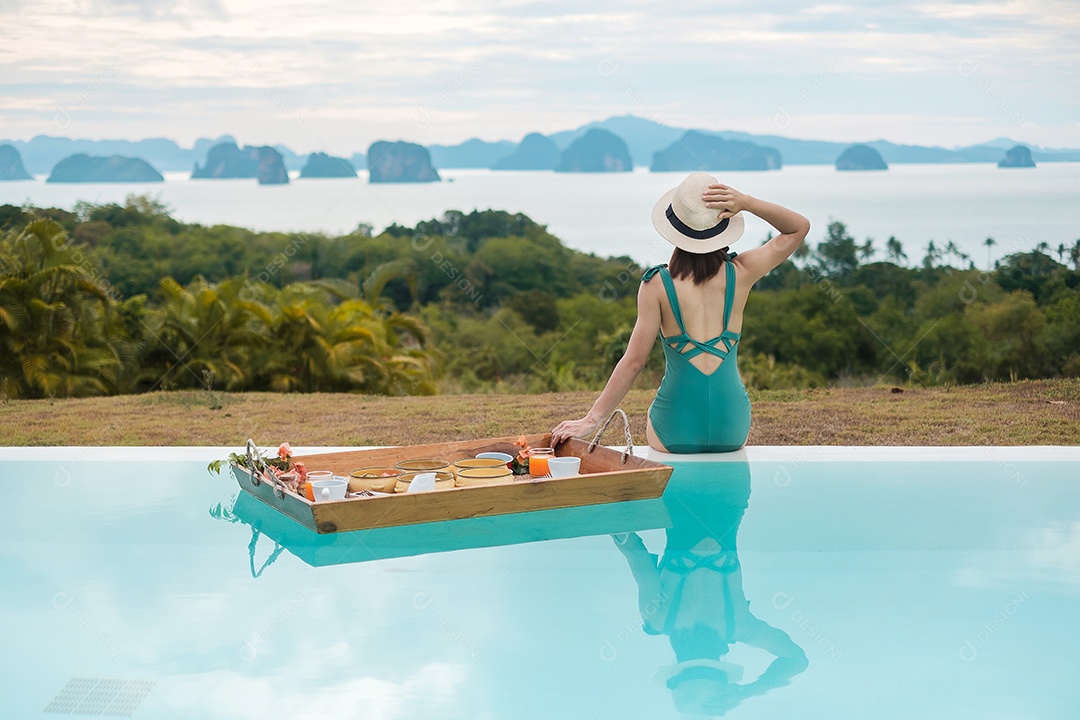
[697,309]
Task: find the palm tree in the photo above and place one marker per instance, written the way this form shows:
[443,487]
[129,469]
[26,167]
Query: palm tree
[322,345]
[933,255]
[1043,248]
[376,282]
[895,250]
[54,338]
[867,250]
[803,251]
[1061,250]
[1074,255]
[951,250]
[204,328]
[989,243]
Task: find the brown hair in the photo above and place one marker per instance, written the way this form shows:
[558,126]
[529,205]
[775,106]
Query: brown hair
[699,267]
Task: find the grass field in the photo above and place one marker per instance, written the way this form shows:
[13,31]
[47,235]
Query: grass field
[1042,412]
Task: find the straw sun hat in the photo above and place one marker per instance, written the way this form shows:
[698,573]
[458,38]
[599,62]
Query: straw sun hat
[681,217]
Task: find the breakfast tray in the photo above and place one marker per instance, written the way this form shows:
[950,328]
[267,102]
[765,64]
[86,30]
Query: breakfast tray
[607,476]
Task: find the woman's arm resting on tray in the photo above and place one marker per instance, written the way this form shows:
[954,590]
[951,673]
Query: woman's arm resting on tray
[626,371]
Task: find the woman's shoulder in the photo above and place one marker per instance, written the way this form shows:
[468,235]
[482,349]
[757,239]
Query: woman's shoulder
[647,276]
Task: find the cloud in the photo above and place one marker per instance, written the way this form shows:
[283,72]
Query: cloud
[489,65]
[1048,557]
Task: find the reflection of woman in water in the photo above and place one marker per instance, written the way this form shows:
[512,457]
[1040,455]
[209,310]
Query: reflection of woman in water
[693,594]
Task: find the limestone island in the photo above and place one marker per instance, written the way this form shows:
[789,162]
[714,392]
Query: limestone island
[399,162]
[88,168]
[1019,156]
[321,165]
[11,167]
[698,151]
[536,152]
[227,161]
[596,151]
[861,157]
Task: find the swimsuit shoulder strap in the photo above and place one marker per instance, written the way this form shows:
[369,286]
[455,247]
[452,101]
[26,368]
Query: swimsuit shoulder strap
[729,293]
[673,298]
[669,288]
[652,271]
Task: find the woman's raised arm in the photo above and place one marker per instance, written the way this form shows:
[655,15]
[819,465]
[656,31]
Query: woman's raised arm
[793,227]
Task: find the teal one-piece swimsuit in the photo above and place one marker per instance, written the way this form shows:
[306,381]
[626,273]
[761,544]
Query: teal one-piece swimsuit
[694,412]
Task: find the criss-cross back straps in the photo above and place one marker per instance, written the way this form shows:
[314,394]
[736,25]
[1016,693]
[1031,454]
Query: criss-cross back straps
[683,343]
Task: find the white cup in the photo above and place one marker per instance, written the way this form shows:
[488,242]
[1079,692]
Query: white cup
[565,466]
[326,490]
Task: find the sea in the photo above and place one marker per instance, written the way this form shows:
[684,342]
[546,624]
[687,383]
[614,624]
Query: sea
[608,214]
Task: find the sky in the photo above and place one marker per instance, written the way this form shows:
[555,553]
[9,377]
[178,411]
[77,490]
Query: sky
[336,75]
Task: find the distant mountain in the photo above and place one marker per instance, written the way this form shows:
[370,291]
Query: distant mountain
[11,165]
[227,161]
[697,151]
[272,169]
[86,168]
[642,137]
[202,147]
[535,152]
[645,137]
[861,157]
[1042,154]
[470,154]
[396,162]
[596,151]
[1017,157]
[321,165]
[292,160]
[42,153]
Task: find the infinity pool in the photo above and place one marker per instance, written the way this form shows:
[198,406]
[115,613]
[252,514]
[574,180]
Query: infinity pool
[800,582]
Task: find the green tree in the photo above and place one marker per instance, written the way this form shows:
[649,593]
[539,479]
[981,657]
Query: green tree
[867,250]
[933,256]
[1014,332]
[895,250]
[204,328]
[989,243]
[837,253]
[54,311]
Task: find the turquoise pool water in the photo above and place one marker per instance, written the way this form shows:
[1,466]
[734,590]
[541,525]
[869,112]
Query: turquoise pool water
[787,588]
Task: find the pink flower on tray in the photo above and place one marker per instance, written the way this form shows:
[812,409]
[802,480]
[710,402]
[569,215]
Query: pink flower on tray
[284,451]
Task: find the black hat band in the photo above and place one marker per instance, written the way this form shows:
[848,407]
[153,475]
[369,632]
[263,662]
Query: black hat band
[690,232]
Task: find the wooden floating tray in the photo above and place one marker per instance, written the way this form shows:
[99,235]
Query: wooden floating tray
[604,479]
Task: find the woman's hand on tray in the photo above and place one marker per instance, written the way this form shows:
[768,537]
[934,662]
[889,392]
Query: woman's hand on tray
[583,428]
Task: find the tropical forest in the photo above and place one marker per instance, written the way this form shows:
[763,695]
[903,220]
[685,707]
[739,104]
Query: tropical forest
[111,299]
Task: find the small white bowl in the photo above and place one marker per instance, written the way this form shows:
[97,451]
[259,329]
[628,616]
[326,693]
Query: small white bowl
[566,466]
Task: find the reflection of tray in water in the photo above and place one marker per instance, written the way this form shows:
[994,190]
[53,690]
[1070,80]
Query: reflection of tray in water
[393,542]
[605,478]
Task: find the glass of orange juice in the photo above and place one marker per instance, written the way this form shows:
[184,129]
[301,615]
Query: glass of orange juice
[538,461]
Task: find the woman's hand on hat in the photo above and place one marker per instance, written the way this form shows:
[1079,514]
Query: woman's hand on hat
[726,199]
